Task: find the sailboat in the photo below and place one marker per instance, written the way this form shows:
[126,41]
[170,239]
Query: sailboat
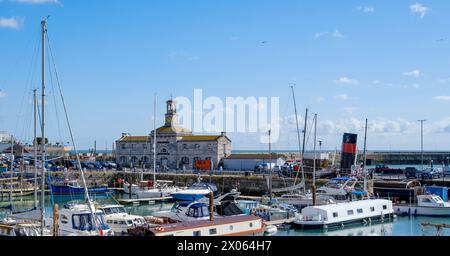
[158,189]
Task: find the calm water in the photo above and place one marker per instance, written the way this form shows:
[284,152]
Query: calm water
[400,226]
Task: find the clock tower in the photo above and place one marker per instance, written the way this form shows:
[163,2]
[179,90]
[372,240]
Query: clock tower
[171,113]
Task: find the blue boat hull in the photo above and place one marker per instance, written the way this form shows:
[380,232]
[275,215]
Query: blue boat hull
[66,190]
[187,197]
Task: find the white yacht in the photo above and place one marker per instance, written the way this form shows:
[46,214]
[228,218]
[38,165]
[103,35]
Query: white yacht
[327,216]
[77,220]
[119,220]
[427,205]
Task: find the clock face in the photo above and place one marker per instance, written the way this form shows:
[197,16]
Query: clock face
[168,119]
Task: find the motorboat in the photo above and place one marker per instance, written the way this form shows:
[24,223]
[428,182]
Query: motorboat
[118,219]
[82,220]
[340,214]
[194,192]
[185,212]
[426,205]
[72,187]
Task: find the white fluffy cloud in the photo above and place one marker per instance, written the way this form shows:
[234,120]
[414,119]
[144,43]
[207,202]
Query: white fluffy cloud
[420,9]
[366,9]
[341,97]
[346,80]
[413,73]
[442,98]
[335,34]
[12,23]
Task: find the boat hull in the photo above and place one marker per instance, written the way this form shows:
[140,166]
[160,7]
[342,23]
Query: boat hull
[323,225]
[66,190]
[186,197]
[422,211]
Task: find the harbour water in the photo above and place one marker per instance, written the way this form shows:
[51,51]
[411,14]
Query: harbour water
[399,226]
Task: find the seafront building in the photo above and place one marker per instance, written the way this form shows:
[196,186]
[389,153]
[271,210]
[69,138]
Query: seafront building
[176,147]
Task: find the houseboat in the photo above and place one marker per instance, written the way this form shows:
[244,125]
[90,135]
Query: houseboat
[228,226]
[335,215]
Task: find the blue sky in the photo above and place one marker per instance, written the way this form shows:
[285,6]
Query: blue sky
[350,60]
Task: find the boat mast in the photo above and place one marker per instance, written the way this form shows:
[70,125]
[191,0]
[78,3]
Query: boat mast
[270,167]
[303,151]
[43,153]
[11,172]
[365,159]
[154,141]
[315,153]
[298,130]
[35,149]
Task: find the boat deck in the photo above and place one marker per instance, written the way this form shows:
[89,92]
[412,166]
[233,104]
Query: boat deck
[144,200]
[282,221]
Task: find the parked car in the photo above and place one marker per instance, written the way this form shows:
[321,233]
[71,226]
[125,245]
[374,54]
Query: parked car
[446,171]
[432,173]
[412,173]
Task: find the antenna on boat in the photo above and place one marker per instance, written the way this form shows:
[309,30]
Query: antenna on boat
[365,157]
[154,140]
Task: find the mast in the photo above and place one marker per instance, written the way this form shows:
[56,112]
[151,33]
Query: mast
[315,153]
[303,150]
[298,129]
[365,159]
[11,174]
[35,149]
[421,142]
[154,141]
[43,31]
[270,167]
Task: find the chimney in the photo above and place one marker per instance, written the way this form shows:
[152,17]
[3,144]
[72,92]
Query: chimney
[348,153]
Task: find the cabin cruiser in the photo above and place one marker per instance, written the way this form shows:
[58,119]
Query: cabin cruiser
[427,205]
[119,220]
[76,220]
[275,211]
[340,214]
[148,189]
[340,189]
[185,212]
[195,192]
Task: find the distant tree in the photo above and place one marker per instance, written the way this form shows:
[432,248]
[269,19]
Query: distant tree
[39,140]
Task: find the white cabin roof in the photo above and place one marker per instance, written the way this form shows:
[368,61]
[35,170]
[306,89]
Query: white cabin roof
[348,205]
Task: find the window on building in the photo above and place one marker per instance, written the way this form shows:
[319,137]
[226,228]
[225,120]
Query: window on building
[164,151]
[133,146]
[210,146]
[197,233]
[350,212]
[213,231]
[359,211]
[122,146]
[185,147]
[197,146]
[185,160]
